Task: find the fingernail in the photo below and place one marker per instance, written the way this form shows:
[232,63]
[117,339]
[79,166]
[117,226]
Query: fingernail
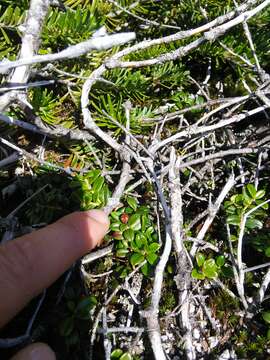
[38,351]
[99,216]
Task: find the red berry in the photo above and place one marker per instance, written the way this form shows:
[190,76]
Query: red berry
[124,218]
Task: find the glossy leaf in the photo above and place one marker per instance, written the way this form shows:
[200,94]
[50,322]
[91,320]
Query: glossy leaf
[200,259]
[220,260]
[129,234]
[98,184]
[197,275]
[253,223]
[146,269]
[115,226]
[126,356]
[122,252]
[210,268]
[153,247]
[266,316]
[260,194]
[151,258]
[132,202]
[149,231]
[233,219]
[136,259]
[252,190]
[135,222]
[116,354]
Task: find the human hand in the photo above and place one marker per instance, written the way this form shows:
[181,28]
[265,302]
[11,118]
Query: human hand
[33,262]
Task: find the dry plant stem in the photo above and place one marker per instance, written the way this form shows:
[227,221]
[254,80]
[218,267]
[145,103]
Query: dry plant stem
[213,209]
[263,288]
[107,302]
[182,278]
[220,154]
[26,85]
[257,267]
[124,329]
[125,174]
[176,114]
[151,314]
[210,35]
[41,128]
[224,288]
[87,118]
[106,340]
[113,62]
[182,34]
[233,260]
[97,254]
[30,43]
[32,157]
[31,37]
[73,51]
[241,272]
[196,130]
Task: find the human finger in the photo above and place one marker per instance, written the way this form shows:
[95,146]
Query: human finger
[37,351]
[32,262]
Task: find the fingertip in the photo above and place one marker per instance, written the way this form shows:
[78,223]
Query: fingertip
[37,351]
[90,228]
[99,216]
[102,219]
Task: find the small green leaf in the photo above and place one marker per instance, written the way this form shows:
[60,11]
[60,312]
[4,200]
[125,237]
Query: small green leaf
[116,354]
[153,247]
[253,223]
[135,222]
[170,269]
[233,238]
[132,202]
[220,260]
[115,215]
[259,194]
[122,252]
[115,226]
[267,252]
[136,259]
[197,275]
[144,221]
[151,258]
[98,184]
[233,219]
[252,190]
[210,268]
[266,316]
[200,259]
[126,356]
[149,231]
[129,234]
[146,269]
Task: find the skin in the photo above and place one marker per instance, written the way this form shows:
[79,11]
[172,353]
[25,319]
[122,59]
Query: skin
[33,262]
